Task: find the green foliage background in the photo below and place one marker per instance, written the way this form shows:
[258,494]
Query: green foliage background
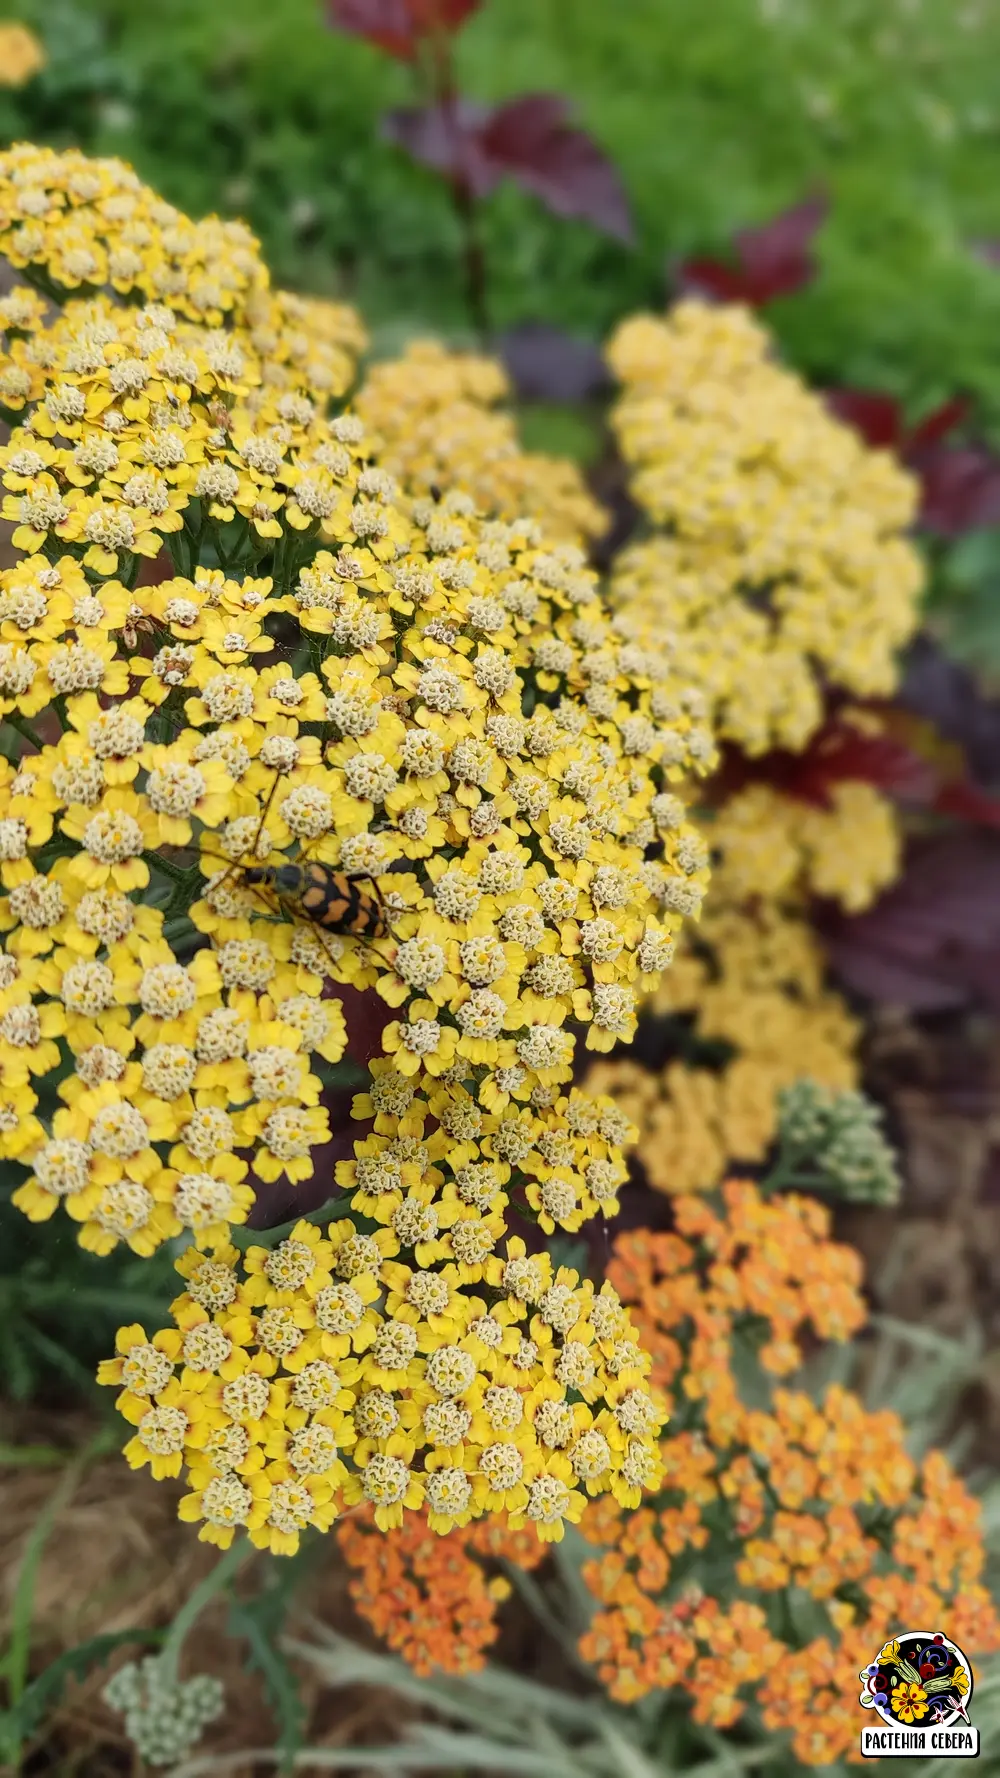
[718,115]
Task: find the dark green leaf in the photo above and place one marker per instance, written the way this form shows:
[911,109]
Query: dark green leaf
[282,1686]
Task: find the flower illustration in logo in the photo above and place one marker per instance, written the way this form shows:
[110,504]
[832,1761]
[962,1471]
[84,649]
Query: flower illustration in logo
[919,1677]
[908,1702]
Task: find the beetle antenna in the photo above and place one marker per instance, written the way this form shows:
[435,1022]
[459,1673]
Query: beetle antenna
[235,864]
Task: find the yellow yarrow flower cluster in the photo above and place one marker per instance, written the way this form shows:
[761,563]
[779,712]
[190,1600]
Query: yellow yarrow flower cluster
[752,991]
[778,561]
[447,696]
[330,1371]
[777,846]
[85,223]
[424,712]
[437,422]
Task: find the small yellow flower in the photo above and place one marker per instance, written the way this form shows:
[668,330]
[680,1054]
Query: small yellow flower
[175,1422]
[113,837]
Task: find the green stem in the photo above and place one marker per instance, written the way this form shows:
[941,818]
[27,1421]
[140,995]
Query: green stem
[15,1659]
[192,536]
[789,1169]
[217,1578]
[228,557]
[130,575]
[25,729]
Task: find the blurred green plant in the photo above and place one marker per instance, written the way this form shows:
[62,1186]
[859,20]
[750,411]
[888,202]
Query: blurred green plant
[715,116]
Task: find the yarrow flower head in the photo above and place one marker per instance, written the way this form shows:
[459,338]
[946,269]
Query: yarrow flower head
[438,421]
[806,1497]
[21,55]
[837,1141]
[780,561]
[211,833]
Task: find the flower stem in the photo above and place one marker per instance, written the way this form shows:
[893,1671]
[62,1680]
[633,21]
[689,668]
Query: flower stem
[474,259]
[440,73]
[213,1582]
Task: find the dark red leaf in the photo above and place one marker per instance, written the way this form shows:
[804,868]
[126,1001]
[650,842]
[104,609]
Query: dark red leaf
[776,255]
[878,418]
[548,364]
[940,421]
[366,1015]
[771,260]
[960,483]
[398,25]
[933,940]
[533,141]
[845,752]
[841,751]
[528,139]
[711,278]
[968,803]
[277,1200]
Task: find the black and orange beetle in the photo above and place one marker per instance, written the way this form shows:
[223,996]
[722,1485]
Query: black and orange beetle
[329,898]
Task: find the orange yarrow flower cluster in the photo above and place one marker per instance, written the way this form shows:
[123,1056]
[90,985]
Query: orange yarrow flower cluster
[812,1499]
[430,1599]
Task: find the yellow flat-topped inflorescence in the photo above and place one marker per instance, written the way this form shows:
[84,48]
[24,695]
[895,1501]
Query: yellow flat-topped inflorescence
[236,642]
[777,557]
[437,420]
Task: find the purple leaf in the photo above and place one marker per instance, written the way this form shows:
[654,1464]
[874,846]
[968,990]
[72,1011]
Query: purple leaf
[945,694]
[445,138]
[960,483]
[961,487]
[397,26]
[528,139]
[933,941]
[988,251]
[532,140]
[548,364]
